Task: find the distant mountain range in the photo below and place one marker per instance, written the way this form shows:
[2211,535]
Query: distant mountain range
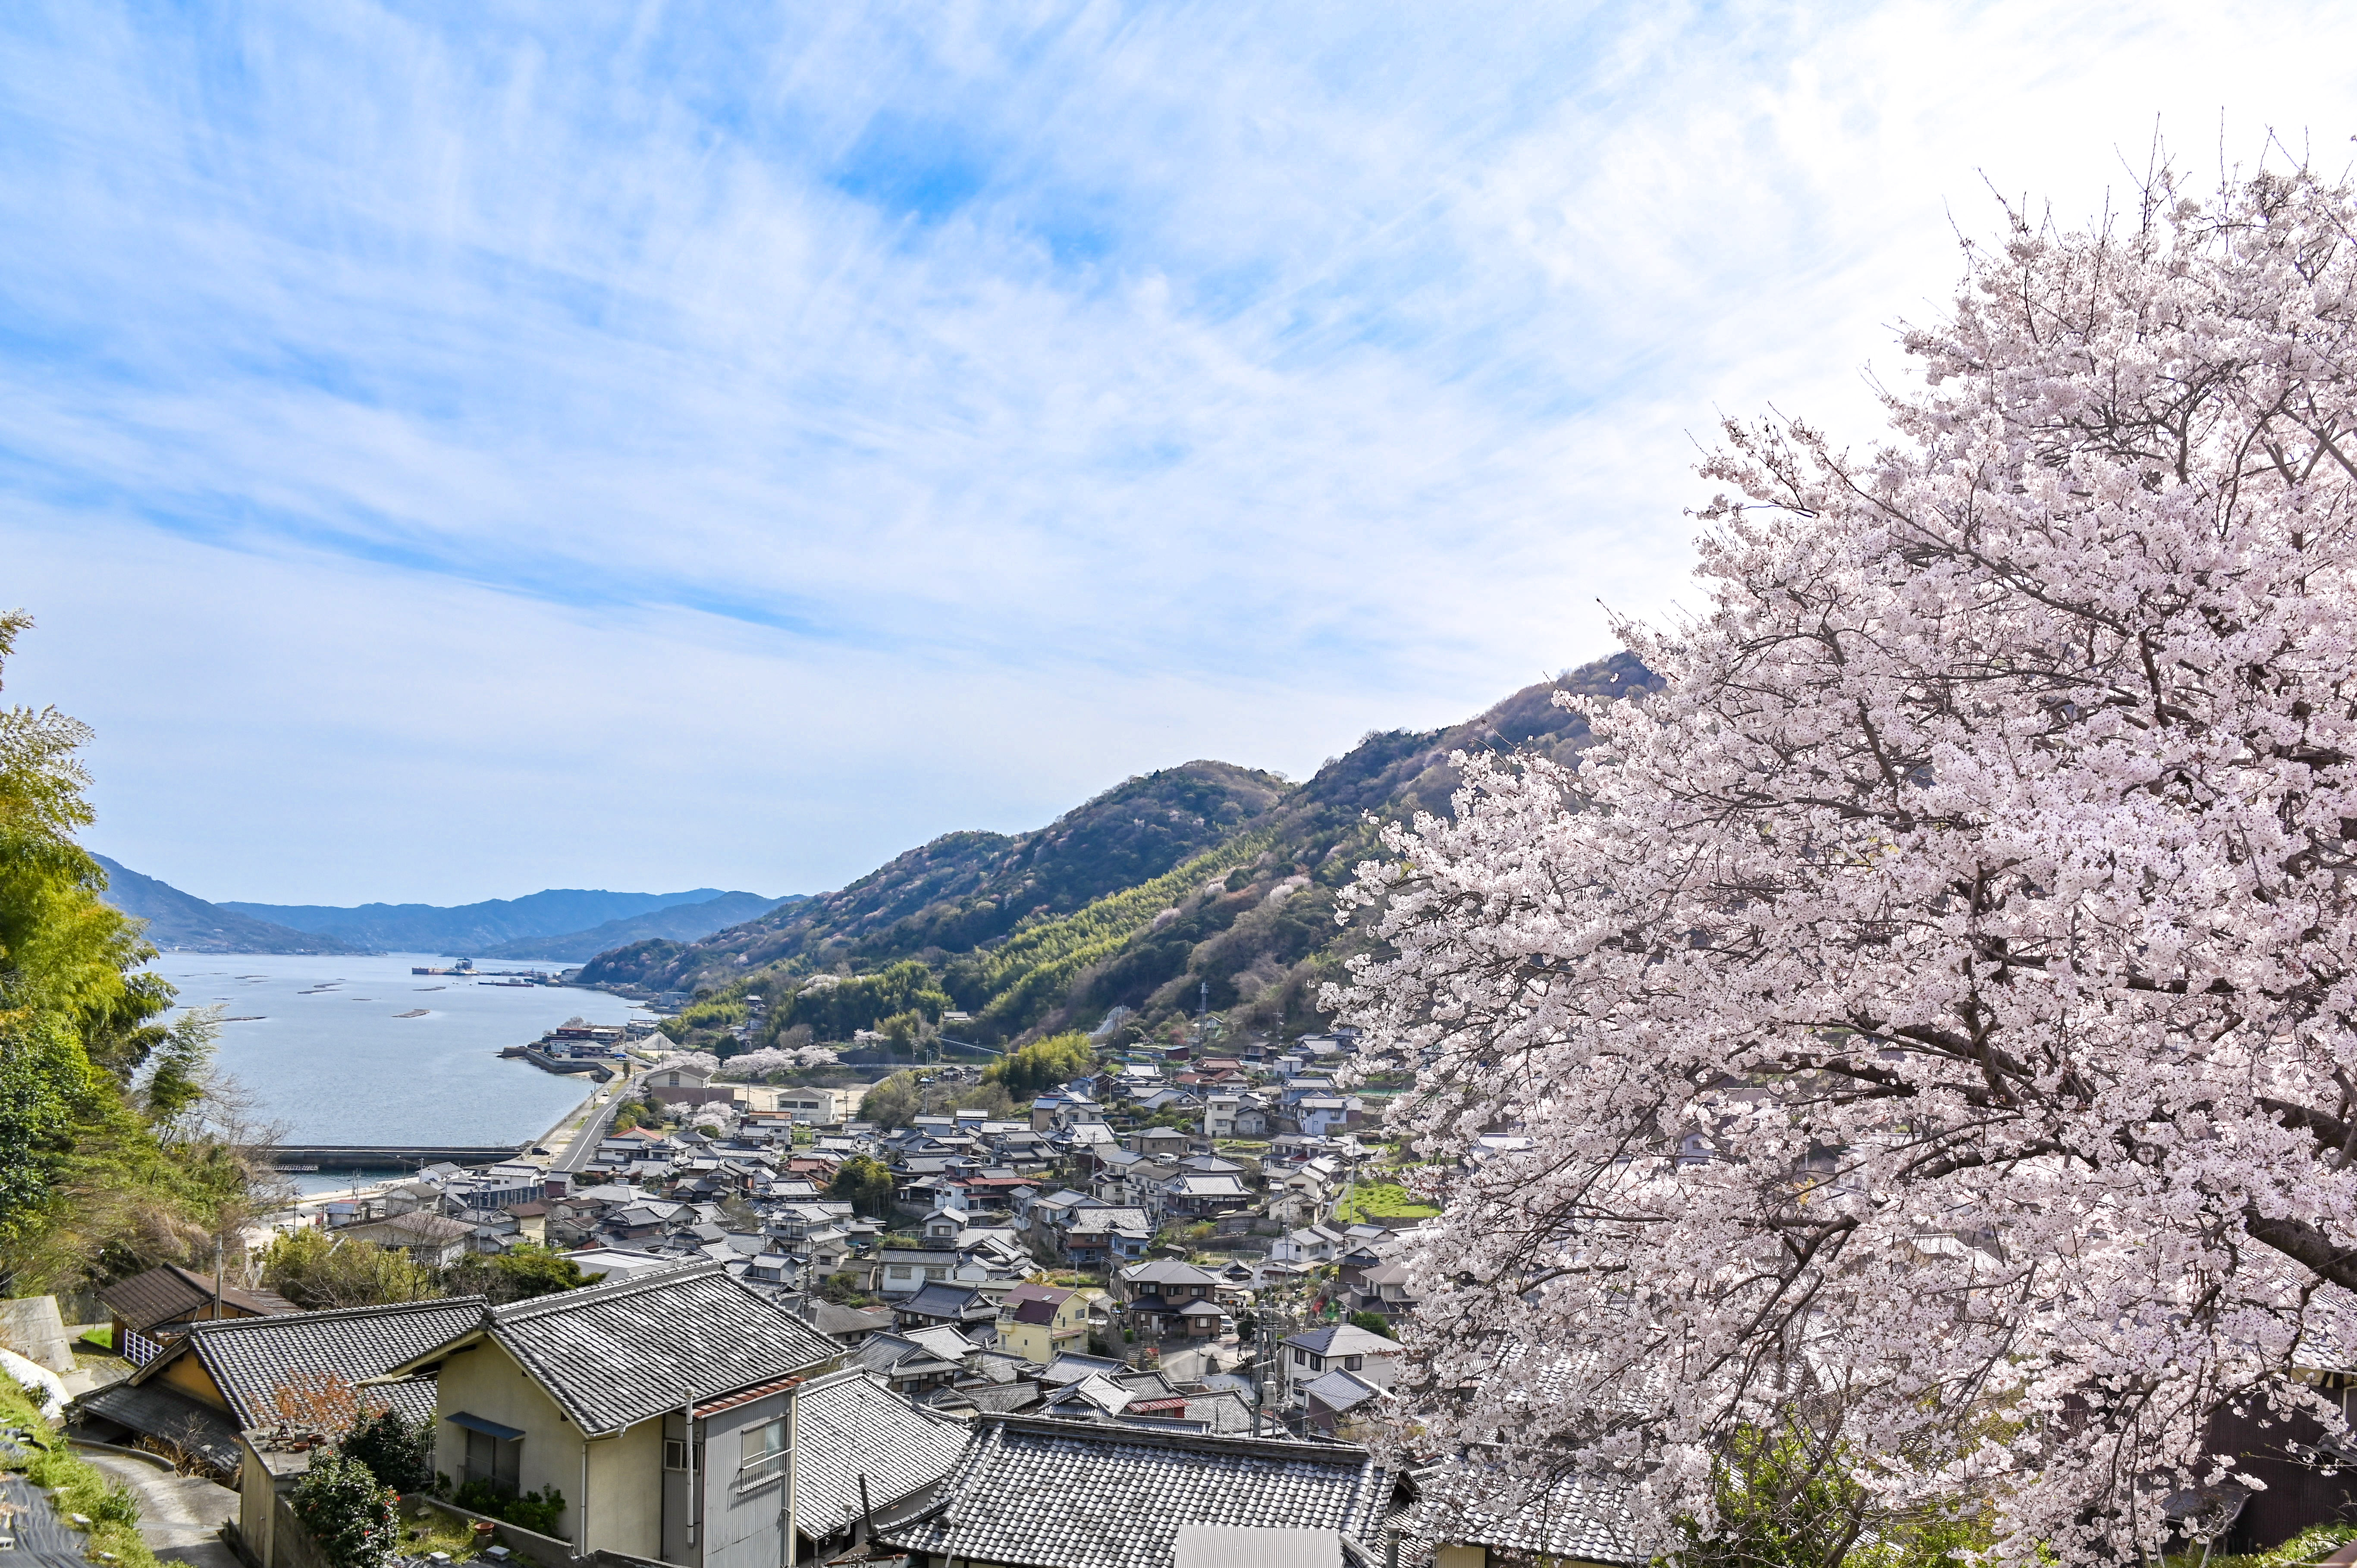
[180,920]
[476,929]
[560,923]
[675,922]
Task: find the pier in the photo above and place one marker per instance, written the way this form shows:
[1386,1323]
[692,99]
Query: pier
[366,1157]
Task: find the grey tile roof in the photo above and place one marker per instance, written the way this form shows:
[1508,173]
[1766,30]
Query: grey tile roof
[1339,1391]
[948,1299]
[1344,1339]
[249,1358]
[997,1399]
[1169,1271]
[1071,1368]
[851,1425]
[1582,1517]
[902,1356]
[613,1355]
[1056,1494]
[829,1318]
[156,1411]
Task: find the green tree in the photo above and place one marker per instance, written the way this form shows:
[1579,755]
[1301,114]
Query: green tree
[317,1269]
[517,1274]
[1043,1064]
[397,1449]
[894,1102]
[86,1186]
[347,1510]
[1374,1323]
[864,1183]
[1788,1496]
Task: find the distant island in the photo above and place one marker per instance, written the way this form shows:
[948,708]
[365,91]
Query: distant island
[559,923]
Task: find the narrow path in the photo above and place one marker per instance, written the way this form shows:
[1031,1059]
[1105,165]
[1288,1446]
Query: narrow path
[179,1515]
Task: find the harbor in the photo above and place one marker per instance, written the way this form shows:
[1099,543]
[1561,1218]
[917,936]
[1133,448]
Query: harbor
[346,1052]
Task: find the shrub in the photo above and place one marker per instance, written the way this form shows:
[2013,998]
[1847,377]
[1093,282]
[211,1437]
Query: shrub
[397,1449]
[536,1511]
[346,1511]
[517,1274]
[539,1513]
[1374,1323]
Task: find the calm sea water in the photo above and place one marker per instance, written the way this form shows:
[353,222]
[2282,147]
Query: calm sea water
[322,1044]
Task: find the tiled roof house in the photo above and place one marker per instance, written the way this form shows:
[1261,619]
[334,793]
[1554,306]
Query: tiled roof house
[1036,1493]
[852,1426]
[221,1378]
[1578,1522]
[590,1391]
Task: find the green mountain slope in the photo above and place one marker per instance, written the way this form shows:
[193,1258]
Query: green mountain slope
[1226,895]
[966,889]
[185,922]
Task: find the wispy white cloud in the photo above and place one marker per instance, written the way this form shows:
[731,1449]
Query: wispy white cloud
[948,410]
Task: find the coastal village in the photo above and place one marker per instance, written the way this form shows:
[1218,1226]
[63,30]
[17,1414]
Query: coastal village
[1147,1319]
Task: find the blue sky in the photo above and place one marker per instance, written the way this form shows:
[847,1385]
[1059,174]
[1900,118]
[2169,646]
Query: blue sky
[453,450]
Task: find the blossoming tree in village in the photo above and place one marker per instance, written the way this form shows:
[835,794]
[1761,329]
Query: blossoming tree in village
[1932,1017]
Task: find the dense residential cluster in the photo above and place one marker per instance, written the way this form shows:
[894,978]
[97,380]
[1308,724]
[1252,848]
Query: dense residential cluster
[1087,1334]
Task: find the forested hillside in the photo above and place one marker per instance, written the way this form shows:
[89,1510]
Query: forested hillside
[1205,882]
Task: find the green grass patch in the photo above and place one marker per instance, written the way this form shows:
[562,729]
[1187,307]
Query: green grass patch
[1382,1200]
[76,1486]
[2306,1547]
[425,1530]
[100,1336]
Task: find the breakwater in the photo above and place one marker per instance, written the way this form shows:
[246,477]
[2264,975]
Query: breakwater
[389,1156]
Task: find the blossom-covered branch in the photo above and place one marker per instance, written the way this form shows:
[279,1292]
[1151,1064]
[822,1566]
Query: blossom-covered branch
[1932,1015]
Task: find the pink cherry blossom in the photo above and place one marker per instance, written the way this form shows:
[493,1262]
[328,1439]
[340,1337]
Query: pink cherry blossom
[1930,1014]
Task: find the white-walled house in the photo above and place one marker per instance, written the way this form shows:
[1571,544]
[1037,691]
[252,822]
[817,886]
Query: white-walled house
[1341,1346]
[658,1406]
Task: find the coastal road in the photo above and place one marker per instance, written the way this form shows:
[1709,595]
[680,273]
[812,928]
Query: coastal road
[576,1154]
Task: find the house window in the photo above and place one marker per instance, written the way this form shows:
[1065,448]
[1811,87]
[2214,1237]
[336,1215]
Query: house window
[499,1460]
[1353,1363]
[675,1454]
[765,1447]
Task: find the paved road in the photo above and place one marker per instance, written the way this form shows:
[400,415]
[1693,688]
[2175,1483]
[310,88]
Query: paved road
[576,1154]
[179,1515]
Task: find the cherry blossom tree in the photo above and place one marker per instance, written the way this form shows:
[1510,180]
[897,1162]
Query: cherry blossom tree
[1926,1024]
[778,1059]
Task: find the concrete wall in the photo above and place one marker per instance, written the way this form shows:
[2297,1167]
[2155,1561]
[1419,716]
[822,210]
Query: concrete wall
[31,1327]
[291,1545]
[257,1501]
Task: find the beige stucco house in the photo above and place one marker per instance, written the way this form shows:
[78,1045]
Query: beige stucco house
[659,1406]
